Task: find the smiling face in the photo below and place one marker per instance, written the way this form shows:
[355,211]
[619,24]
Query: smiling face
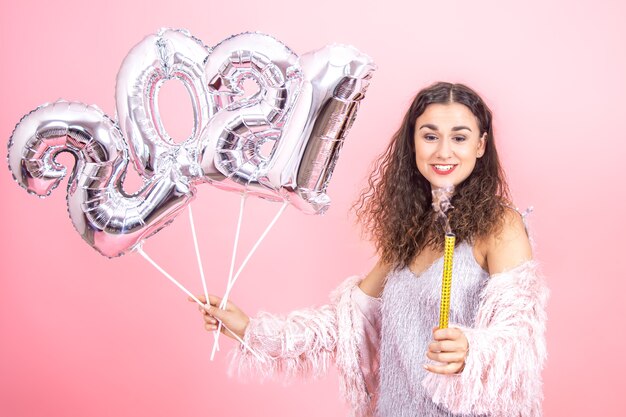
[447,143]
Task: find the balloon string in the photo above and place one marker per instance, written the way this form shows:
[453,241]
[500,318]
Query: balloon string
[198,258]
[168,276]
[193,297]
[243,264]
[236,244]
[242,204]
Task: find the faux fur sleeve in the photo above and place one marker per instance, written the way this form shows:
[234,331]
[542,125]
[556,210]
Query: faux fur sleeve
[357,359]
[502,374]
[301,344]
[305,342]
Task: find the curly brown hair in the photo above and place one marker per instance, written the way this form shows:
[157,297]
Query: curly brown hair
[395,209]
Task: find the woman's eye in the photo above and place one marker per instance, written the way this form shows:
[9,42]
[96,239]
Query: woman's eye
[459,138]
[430,138]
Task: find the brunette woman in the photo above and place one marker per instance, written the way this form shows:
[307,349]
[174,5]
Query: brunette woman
[378,329]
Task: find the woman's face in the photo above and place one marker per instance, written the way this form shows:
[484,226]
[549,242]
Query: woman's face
[447,144]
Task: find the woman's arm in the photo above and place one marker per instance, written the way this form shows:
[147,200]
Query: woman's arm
[305,342]
[510,247]
[302,342]
[374,282]
[502,373]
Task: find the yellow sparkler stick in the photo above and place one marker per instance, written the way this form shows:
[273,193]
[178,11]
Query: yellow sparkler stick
[446,282]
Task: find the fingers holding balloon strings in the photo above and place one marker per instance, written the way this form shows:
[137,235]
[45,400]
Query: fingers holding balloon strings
[212,323]
[204,309]
[222,328]
[215,324]
[200,298]
[214,302]
[210,311]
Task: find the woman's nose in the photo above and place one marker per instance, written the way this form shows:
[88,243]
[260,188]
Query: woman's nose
[444,150]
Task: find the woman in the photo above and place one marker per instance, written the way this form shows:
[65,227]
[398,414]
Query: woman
[379,330]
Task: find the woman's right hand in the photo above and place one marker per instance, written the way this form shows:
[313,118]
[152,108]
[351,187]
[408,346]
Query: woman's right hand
[232,317]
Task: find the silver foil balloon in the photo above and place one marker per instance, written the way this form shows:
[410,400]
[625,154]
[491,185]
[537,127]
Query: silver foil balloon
[336,79]
[168,55]
[304,108]
[239,141]
[109,219]
[280,143]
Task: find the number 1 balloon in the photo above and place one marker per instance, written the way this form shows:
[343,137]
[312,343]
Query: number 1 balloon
[280,143]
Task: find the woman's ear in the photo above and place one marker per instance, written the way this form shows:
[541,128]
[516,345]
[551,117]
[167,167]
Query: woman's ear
[482,144]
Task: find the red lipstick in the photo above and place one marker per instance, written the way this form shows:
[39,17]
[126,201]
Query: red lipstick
[443,171]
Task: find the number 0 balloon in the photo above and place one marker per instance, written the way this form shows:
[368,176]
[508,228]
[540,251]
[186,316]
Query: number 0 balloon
[280,143]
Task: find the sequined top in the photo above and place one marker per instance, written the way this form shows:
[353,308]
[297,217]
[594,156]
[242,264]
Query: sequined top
[410,310]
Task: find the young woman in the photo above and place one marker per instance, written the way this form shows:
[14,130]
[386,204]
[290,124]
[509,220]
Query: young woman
[378,330]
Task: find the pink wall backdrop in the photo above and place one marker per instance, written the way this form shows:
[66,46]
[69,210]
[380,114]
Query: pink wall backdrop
[82,335]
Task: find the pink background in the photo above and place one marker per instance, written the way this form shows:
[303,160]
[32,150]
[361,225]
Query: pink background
[82,335]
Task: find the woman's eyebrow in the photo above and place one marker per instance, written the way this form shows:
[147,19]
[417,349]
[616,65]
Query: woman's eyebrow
[454,129]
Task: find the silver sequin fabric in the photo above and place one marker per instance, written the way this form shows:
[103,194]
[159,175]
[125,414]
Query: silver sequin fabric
[410,311]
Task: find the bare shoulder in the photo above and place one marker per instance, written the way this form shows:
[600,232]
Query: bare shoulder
[374,282]
[509,246]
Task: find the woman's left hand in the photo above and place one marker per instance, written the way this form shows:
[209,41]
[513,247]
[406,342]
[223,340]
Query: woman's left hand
[449,347]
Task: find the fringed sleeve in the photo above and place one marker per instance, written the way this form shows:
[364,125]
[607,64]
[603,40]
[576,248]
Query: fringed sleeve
[302,344]
[358,358]
[502,374]
[306,342]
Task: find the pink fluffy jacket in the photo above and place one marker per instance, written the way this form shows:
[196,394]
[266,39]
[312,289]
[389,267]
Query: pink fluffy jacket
[502,374]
